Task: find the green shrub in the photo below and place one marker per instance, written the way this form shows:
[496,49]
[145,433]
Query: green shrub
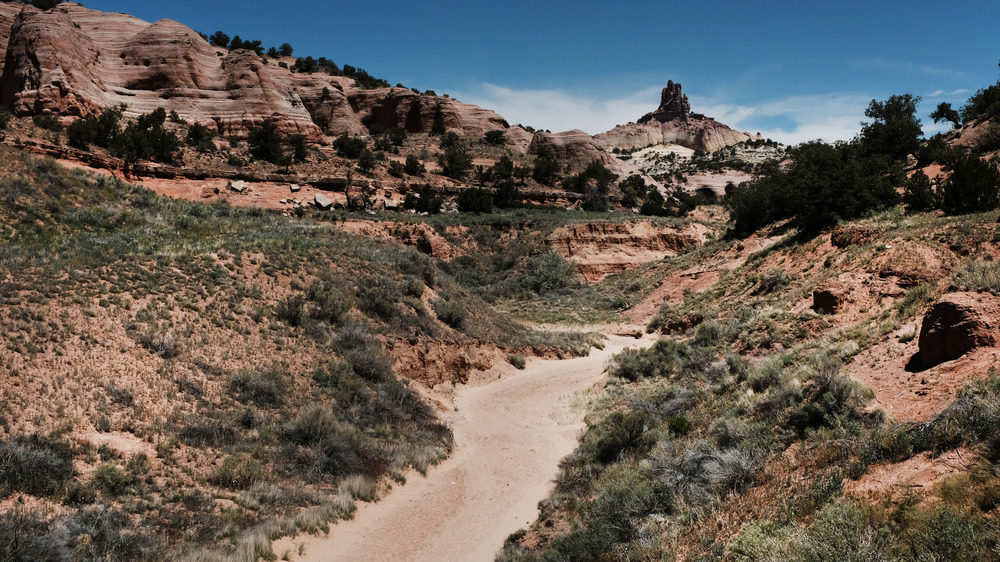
[981,276]
[972,187]
[237,473]
[619,434]
[265,143]
[47,121]
[34,466]
[378,296]
[259,387]
[550,271]
[452,313]
[518,361]
[413,166]
[455,162]
[111,480]
[475,200]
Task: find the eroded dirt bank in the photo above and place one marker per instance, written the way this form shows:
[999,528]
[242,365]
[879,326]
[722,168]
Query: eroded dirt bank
[509,437]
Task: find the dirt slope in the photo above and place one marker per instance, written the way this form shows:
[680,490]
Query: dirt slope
[510,435]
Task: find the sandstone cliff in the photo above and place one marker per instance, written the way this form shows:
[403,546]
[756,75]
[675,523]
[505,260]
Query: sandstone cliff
[72,61]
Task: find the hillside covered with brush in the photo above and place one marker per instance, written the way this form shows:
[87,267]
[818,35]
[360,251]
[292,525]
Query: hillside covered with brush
[831,392]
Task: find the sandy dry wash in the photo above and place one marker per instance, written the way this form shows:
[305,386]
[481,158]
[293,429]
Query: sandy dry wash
[510,435]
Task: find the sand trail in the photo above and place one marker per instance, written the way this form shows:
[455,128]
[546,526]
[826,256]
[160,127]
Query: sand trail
[509,437]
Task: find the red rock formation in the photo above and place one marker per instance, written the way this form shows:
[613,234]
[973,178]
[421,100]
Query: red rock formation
[73,61]
[602,249]
[828,299]
[956,324]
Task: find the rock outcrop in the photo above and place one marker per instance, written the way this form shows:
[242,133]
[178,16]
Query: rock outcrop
[829,298]
[672,123]
[71,61]
[674,106]
[956,324]
[579,149]
[602,249]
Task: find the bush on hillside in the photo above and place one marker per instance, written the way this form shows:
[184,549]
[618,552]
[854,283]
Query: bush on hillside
[475,200]
[972,187]
[822,185]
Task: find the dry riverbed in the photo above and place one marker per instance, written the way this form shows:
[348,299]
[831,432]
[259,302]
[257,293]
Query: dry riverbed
[510,435]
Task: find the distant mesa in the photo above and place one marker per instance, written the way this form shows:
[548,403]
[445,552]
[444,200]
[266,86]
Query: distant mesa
[674,106]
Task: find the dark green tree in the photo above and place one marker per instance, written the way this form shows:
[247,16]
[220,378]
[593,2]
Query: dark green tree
[495,138]
[200,137]
[895,130]
[219,39]
[944,112]
[366,161]
[984,103]
[285,50]
[821,185]
[502,170]
[424,201]
[972,187]
[348,146]
[633,190]
[266,143]
[546,167]
[506,196]
[455,162]
[96,130]
[918,194]
[413,166]
[45,4]
[306,65]
[475,200]
[652,204]
[300,151]
[437,126]
[146,139]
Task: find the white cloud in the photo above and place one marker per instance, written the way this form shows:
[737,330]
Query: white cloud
[939,93]
[790,120]
[828,117]
[890,65]
[559,110]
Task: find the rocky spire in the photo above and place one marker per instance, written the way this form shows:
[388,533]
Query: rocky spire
[673,106]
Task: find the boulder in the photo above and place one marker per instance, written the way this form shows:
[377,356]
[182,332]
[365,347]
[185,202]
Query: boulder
[295,188]
[829,298]
[238,186]
[956,324]
[322,202]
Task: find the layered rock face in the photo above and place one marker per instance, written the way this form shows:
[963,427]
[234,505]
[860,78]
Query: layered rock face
[72,61]
[603,249]
[672,123]
[580,149]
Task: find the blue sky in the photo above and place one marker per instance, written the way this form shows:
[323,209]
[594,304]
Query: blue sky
[791,70]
